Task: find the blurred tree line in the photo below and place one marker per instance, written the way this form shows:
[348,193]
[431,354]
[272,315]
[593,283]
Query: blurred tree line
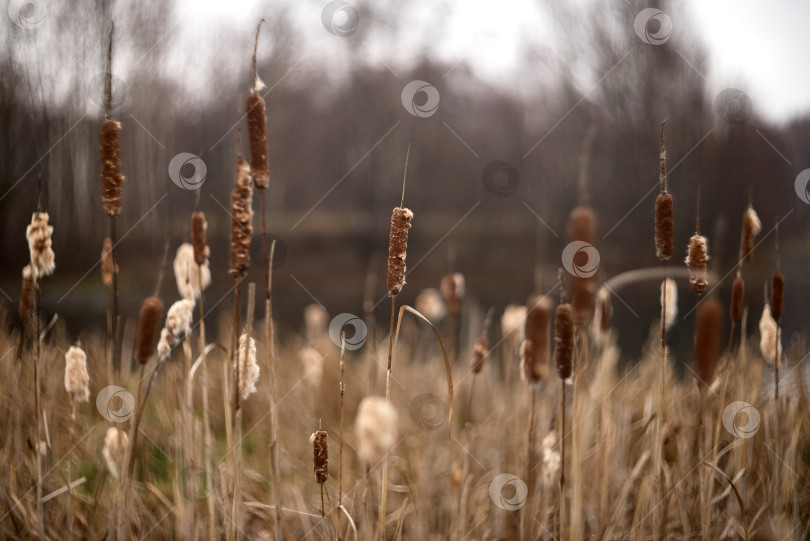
[338,139]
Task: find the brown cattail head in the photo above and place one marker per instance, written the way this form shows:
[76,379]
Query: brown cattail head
[708,320]
[198,228]
[26,292]
[108,266]
[737,297]
[534,351]
[241,220]
[751,226]
[696,259]
[397,249]
[777,295]
[257,133]
[563,340]
[111,176]
[321,455]
[581,228]
[148,328]
[664,226]
[479,353]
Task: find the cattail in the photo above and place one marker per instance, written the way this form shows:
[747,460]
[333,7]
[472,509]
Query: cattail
[664,216]
[563,340]
[148,326]
[198,228]
[77,381]
[312,361]
[26,292]
[452,289]
[513,321]
[601,317]
[112,451]
[480,351]
[188,274]
[751,226]
[777,294]
[319,440]
[737,297]
[429,303]
[257,133]
[111,177]
[39,245]
[241,219]
[768,332]
[397,249]
[178,324]
[108,266]
[664,226]
[534,351]
[376,429]
[708,320]
[670,288]
[581,228]
[696,259]
[316,322]
[248,368]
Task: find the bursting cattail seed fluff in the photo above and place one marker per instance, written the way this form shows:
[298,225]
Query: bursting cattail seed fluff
[241,219]
[376,429]
[248,367]
[751,226]
[696,259]
[191,278]
[77,380]
[39,245]
[108,266]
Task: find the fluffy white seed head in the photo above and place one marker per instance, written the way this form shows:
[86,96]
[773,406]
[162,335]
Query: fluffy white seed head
[768,330]
[429,303]
[77,381]
[376,429]
[178,324]
[513,322]
[188,273]
[39,245]
[312,362]
[113,449]
[316,321]
[248,367]
[670,288]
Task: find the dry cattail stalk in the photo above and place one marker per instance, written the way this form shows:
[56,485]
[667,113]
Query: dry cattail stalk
[108,266]
[777,295]
[696,259]
[319,440]
[551,458]
[198,228]
[429,302]
[751,226]
[534,351]
[737,297]
[452,289]
[241,222]
[111,176]
[148,326]
[770,335]
[581,228]
[563,340]
[112,451]
[248,367]
[708,320]
[480,351]
[188,274]
[601,317]
[671,289]
[376,429]
[26,292]
[178,324]
[77,381]
[397,249]
[39,245]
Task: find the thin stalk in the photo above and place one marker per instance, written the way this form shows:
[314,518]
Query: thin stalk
[268,330]
[116,346]
[237,486]
[340,459]
[37,412]
[69,474]
[562,464]
[209,473]
[190,508]
[384,483]
[659,418]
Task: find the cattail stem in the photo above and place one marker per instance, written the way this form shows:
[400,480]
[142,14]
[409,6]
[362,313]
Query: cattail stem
[207,440]
[268,330]
[115,347]
[659,418]
[340,456]
[384,482]
[37,412]
[562,463]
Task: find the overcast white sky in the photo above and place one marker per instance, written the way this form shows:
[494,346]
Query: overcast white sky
[755,45]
